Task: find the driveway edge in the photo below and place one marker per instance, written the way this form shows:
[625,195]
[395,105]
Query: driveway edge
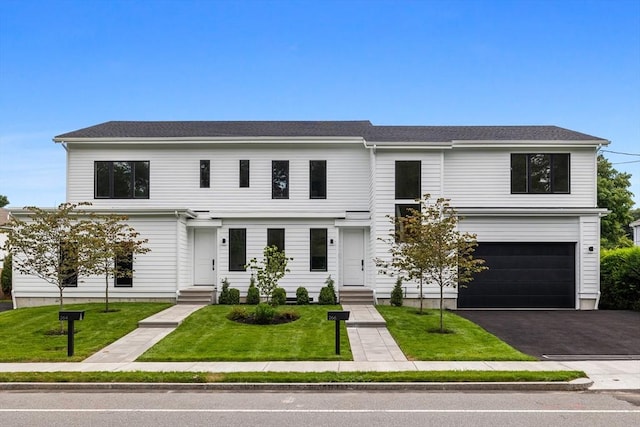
[580,384]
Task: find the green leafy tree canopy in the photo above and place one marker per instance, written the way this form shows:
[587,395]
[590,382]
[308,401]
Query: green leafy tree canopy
[614,194]
[270,269]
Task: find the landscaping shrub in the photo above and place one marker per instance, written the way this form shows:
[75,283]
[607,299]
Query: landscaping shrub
[264,314]
[396,293]
[330,282]
[288,314]
[279,297]
[234,296]
[224,294]
[5,277]
[620,279]
[302,296]
[326,297]
[253,294]
[238,313]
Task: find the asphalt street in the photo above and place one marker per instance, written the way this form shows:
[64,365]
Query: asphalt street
[356,409]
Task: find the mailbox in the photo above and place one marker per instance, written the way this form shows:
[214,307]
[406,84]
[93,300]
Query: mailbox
[71,315]
[338,315]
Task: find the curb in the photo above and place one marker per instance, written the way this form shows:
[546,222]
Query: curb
[580,384]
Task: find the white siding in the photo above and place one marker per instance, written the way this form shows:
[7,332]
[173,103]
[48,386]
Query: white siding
[589,259]
[175,178]
[522,229]
[482,178]
[184,256]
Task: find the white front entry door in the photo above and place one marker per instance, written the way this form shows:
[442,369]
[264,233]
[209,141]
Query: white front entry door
[353,257]
[204,253]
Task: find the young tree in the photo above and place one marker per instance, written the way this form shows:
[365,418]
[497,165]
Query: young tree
[270,270]
[614,194]
[50,245]
[426,246]
[109,239]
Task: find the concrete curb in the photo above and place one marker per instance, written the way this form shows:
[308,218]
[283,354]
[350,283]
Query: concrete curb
[580,384]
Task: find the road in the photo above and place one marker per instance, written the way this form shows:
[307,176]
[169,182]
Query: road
[355,409]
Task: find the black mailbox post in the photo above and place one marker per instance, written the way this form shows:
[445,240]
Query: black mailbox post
[70,316]
[338,316]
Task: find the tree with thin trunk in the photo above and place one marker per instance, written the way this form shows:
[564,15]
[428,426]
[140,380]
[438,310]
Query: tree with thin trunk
[426,246]
[110,239]
[51,245]
[270,269]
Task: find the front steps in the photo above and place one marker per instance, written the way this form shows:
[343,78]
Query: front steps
[197,295]
[357,295]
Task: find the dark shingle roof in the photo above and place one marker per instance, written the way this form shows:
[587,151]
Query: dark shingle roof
[363,128]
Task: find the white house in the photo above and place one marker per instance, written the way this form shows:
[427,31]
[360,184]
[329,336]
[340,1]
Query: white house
[210,195]
[635,226]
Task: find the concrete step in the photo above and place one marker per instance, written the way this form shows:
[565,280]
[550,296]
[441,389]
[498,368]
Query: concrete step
[158,324]
[359,295]
[204,295]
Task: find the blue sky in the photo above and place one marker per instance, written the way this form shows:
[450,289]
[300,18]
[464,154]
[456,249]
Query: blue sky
[66,64]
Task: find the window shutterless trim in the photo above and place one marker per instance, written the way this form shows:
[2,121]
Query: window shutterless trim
[321,256]
[106,190]
[205,173]
[524,179]
[275,237]
[317,179]
[408,179]
[237,249]
[244,169]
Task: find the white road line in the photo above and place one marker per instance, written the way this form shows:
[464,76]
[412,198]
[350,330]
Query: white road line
[341,411]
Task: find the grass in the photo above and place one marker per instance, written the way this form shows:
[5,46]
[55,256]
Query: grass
[292,377]
[207,335]
[23,332]
[467,341]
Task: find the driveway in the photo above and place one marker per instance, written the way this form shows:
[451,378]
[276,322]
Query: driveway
[6,305]
[565,335]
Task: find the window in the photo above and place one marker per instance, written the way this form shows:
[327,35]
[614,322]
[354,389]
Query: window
[275,237]
[237,249]
[280,179]
[539,173]
[124,267]
[121,180]
[408,179]
[205,173]
[69,264]
[318,179]
[244,173]
[403,211]
[318,249]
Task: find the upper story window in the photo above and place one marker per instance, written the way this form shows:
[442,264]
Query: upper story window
[408,179]
[318,179]
[540,173]
[275,237]
[124,267]
[280,179]
[237,249]
[205,173]
[121,180]
[244,173]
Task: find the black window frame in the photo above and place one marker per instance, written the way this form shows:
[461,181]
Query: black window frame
[205,173]
[237,249]
[123,262]
[245,173]
[523,173]
[317,179]
[279,173]
[403,210]
[321,238]
[276,237]
[109,189]
[407,179]
[68,268]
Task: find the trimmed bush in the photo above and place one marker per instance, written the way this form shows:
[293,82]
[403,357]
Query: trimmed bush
[224,294]
[396,293]
[253,294]
[264,314]
[238,313]
[302,296]
[330,282]
[234,296]
[6,276]
[620,279]
[278,297]
[326,297]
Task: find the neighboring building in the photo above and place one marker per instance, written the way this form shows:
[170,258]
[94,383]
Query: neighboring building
[4,217]
[210,195]
[635,226]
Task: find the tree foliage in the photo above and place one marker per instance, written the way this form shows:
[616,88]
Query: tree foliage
[3,201]
[6,280]
[269,270]
[427,247]
[614,194]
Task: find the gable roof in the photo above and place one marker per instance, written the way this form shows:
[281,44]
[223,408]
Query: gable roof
[363,128]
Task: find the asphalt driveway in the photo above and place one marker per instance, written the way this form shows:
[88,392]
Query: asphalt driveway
[564,335]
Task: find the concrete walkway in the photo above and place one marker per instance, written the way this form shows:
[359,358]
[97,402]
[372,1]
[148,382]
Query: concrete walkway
[369,337]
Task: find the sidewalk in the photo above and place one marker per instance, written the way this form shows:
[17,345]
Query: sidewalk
[372,347]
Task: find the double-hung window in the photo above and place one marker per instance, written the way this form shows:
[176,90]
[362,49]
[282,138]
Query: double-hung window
[121,180]
[318,179]
[540,173]
[280,179]
[237,249]
[318,249]
[408,179]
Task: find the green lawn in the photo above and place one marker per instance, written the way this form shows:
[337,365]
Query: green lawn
[467,342]
[208,335]
[24,338]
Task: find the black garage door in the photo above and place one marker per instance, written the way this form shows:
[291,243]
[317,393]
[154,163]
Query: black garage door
[523,275]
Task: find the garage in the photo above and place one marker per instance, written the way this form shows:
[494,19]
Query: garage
[522,275]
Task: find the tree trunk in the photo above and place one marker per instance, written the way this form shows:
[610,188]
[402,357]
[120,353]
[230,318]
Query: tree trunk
[421,297]
[441,304]
[61,288]
[106,293]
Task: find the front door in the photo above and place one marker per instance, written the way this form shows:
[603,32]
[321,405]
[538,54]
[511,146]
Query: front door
[204,258]
[353,257]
